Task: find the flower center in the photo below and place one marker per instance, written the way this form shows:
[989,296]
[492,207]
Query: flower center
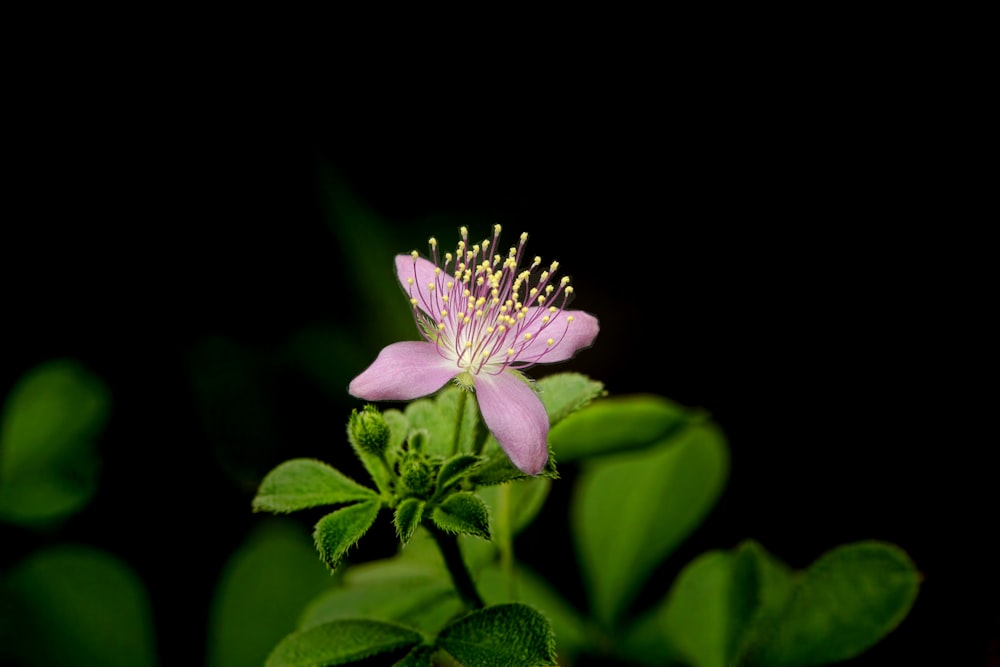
[483,310]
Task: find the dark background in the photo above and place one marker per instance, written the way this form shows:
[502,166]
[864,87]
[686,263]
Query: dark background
[787,250]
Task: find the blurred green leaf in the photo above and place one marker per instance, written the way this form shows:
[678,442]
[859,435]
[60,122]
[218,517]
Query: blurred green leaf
[463,512]
[617,424]
[48,455]
[745,607]
[340,530]
[299,484]
[524,500]
[562,394]
[844,603]
[394,590]
[342,642]
[369,247]
[264,586]
[633,509]
[501,635]
[77,606]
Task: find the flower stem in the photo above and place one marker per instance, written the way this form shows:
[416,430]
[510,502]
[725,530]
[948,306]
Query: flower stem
[462,397]
[464,586]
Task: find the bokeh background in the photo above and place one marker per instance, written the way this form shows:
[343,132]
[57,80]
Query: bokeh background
[778,251]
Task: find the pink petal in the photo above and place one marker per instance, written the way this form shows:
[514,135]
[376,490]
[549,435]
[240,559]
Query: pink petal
[404,371]
[516,417]
[422,272]
[580,334]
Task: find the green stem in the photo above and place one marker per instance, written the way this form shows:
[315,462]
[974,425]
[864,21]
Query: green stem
[464,586]
[462,397]
[504,537]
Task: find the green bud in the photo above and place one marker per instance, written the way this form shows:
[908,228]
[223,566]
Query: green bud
[368,431]
[418,474]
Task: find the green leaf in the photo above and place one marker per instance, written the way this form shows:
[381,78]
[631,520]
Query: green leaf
[263,587]
[635,508]
[619,424]
[463,512]
[407,517]
[340,530]
[342,642]
[524,585]
[48,453]
[77,606]
[454,469]
[505,635]
[564,393]
[844,603]
[303,483]
[498,469]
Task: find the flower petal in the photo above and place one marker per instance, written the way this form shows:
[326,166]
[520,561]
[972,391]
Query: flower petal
[516,417]
[404,371]
[422,272]
[579,334]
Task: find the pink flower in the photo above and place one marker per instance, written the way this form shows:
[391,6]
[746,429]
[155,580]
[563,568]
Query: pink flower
[483,319]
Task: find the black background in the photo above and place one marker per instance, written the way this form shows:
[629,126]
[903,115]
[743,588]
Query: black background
[786,248]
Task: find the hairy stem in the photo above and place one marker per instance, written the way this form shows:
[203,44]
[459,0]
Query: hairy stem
[466,588]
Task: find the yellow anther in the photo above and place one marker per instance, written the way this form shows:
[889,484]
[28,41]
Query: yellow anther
[490,330]
[533,291]
[565,279]
[441,326]
[541,301]
[550,342]
[449,284]
[527,336]
[414,254]
[430,286]
[437,271]
[409,281]
[444,298]
[444,313]
[468,344]
[548,289]
[510,352]
[413,301]
[569,289]
[552,309]
[545,320]
[466,294]
[524,236]
[433,242]
[463,231]
[447,257]
[544,275]
[569,319]
[496,229]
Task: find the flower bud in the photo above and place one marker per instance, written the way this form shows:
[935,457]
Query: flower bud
[417,473]
[368,431]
